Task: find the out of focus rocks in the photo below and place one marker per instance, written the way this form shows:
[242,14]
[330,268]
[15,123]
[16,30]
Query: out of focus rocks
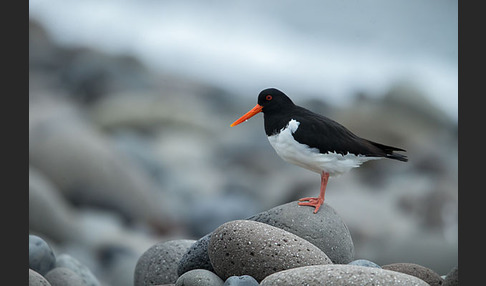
[325,229]
[364,262]
[158,265]
[61,276]
[257,249]
[199,277]
[49,212]
[41,256]
[419,271]
[209,213]
[59,135]
[340,275]
[73,264]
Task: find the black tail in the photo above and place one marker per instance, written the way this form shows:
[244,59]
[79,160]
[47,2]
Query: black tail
[389,152]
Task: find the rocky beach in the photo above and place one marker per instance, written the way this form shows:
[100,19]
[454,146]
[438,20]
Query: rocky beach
[137,178]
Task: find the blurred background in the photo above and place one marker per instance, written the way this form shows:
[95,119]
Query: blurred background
[130,104]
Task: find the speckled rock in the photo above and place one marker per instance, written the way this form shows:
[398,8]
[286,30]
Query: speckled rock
[196,257]
[452,278]
[67,261]
[340,275]
[35,279]
[199,277]
[331,234]
[419,271]
[61,276]
[364,262]
[158,265]
[325,229]
[41,256]
[243,280]
[244,247]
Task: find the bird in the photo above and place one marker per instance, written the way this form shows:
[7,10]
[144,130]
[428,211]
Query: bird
[314,141]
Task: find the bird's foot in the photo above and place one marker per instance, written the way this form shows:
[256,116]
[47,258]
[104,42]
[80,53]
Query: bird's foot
[313,202]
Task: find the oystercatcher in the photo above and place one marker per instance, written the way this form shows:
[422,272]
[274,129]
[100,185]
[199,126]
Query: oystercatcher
[313,141]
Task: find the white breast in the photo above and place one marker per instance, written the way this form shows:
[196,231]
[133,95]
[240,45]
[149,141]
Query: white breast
[310,158]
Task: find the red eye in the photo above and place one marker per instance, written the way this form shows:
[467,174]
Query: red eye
[268,97]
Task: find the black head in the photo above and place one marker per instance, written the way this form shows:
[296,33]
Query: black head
[272,102]
[273,99]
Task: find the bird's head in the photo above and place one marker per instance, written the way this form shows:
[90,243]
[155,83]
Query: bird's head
[269,99]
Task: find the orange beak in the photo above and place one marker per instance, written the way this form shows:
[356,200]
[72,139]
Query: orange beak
[248,115]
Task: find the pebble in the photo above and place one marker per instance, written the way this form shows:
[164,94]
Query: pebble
[364,262]
[340,275]
[158,264]
[61,276]
[243,280]
[419,271]
[196,257]
[452,278]
[67,261]
[325,229]
[244,247]
[199,277]
[41,256]
[35,279]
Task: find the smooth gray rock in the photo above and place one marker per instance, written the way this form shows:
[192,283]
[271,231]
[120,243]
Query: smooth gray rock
[199,277]
[61,276]
[67,261]
[340,275]
[158,265]
[364,262]
[325,229]
[244,247]
[35,279]
[243,280]
[41,256]
[196,257]
[419,271]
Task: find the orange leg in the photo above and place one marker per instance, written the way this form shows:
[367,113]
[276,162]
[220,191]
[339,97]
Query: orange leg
[317,202]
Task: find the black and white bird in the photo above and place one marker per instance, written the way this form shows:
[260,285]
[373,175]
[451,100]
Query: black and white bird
[313,141]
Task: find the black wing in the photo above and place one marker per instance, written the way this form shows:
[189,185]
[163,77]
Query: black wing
[327,135]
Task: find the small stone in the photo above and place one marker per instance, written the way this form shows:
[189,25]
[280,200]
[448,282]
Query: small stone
[196,257]
[61,276]
[199,277]
[67,261]
[419,271]
[35,279]
[340,275]
[41,256]
[244,247]
[158,264]
[364,262]
[243,280]
[452,278]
